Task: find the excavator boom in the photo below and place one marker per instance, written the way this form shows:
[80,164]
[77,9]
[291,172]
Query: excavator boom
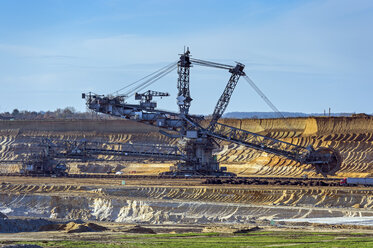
[200,141]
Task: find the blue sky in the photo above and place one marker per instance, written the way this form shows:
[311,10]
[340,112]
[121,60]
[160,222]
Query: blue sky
[306,56]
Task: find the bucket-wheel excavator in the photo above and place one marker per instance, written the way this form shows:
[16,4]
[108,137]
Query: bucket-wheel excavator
[199,140]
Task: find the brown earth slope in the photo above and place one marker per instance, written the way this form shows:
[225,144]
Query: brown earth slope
[351,136]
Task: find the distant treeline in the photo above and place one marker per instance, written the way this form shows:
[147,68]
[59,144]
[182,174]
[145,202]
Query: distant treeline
[268,115]
[66,113]
[70,113]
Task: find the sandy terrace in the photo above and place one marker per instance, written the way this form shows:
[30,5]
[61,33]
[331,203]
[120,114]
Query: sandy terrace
[177,202]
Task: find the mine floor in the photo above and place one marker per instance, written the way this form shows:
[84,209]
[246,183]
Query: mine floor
[172,207]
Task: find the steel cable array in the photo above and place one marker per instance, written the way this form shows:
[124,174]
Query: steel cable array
[149,79]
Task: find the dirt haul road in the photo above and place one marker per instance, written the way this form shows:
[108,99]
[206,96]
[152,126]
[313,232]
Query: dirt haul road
[351,136]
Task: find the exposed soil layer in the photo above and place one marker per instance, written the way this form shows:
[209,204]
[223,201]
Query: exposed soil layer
[351,136]
[182,204]
[73,227]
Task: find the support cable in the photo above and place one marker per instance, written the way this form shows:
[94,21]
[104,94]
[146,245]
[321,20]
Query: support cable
[151,79]
[261,94]
[211,64]
[139,80]
[268,102]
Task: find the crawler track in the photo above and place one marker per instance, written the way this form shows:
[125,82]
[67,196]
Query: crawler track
[275,181]
[210,180]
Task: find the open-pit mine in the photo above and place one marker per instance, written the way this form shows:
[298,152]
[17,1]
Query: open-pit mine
[145,170]
[139,196]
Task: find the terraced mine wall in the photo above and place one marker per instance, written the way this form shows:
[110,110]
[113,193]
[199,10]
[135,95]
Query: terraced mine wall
[351,136]
[181,205]
[98,126]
